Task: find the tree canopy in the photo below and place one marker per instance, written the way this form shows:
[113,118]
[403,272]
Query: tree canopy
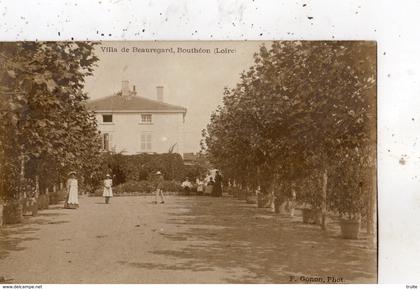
[300,107]
[44,122]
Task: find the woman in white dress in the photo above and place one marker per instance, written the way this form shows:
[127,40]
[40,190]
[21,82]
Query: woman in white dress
[107,188]
[72,201]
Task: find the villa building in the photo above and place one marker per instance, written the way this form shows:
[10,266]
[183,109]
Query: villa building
[131,124]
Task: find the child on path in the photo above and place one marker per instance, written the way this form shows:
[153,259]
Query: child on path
[107,188]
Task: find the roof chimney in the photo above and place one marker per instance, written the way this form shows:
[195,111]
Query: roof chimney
[125,90]
[159,93]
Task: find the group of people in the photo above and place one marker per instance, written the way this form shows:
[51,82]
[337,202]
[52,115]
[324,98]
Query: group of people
[203,186]
[72,189]
[207,185]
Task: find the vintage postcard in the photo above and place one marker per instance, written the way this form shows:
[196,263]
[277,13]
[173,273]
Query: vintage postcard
[188,162]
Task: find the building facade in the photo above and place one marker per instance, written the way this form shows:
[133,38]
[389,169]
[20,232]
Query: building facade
[130,124]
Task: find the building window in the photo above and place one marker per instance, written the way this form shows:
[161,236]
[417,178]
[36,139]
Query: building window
[146,142]
[107,118]
[105,142]
[146,118]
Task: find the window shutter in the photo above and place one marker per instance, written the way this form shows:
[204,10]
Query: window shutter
[106,141]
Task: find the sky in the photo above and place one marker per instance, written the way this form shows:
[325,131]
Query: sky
[193,80]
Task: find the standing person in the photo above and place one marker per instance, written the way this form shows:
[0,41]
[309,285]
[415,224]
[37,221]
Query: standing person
[200,186]
[72,201]
[218,185]
[187,186]
[107,188]
[159,188]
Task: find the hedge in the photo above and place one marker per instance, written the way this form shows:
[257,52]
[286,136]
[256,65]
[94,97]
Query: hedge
[143,167]
[142,187]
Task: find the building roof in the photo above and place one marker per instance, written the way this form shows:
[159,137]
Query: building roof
[132,103]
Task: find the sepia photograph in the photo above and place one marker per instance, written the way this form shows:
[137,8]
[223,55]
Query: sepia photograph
[205,162]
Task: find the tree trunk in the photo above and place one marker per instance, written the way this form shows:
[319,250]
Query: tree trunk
[36,186]
[324,200]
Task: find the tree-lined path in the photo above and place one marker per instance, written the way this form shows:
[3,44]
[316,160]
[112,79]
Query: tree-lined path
[187,240]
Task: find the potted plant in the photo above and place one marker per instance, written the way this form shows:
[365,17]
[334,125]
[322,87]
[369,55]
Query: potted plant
[252,197]
[264,192]
[302,199]
[348,196]
[311,198]
[278,200]
[54,195]
[235,191]
[29,201]
[231,190]
[242,193]
[350,209]
[261,198]
[29,206]
[306,215]
[43,201]
[12,211]
[13,203]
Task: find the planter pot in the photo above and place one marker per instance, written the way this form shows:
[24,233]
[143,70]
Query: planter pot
[43,202]
[277,205]
[38,202]
[235,193]
[26,206]
[61,195]
[242,195]
[277,208]
[209,190]
[317,216]
[29,206]
[47,201]
[12,212]
[53,199]
[34,208]
[350,229]
[252,200]
[263,201]
[260,200]
[306,216]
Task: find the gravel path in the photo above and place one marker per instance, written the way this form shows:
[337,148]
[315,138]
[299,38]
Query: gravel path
[187,240]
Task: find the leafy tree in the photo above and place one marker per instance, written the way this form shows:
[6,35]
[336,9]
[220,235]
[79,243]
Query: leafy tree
[44,122]
[297,111]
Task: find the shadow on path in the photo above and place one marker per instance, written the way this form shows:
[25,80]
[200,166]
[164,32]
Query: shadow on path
[11,236]
[226,234]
